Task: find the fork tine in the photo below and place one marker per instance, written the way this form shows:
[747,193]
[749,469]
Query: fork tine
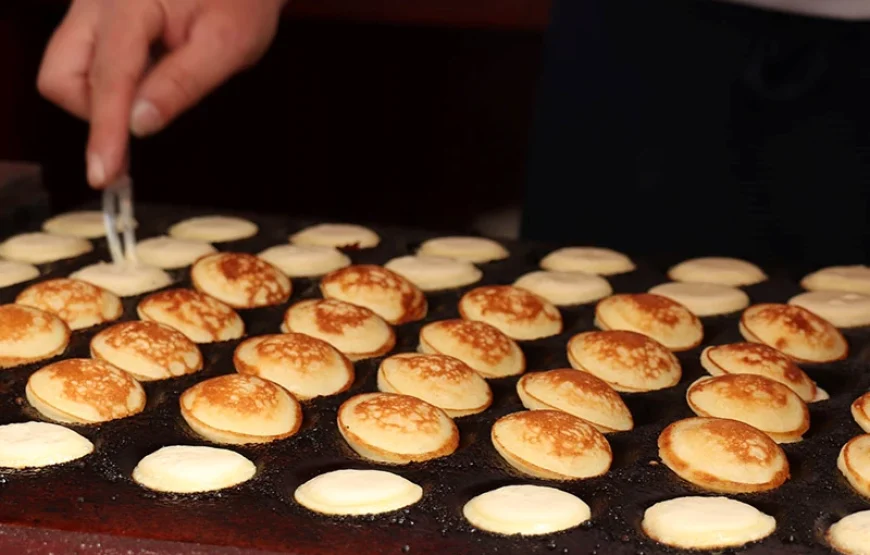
[111,223]
[118,213]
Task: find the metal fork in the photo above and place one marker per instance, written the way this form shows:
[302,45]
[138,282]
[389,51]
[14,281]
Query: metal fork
[118,209]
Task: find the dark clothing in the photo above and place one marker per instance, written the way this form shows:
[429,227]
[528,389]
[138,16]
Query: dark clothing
[688,127]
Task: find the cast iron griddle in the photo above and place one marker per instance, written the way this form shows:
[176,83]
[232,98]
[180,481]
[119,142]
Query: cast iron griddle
[96,495]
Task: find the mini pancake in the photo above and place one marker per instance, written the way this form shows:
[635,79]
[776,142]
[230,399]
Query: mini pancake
[124,280]
[386,293]
[578,393]
[201,318]
[854,463]
[625,360]
[552,445]
[147,350]
[435,273]
[706,523]
[305,261]
[42,248]
[240,280]
[481,346]
[396,429]
[565,288]
[30,335]
[519,314]
[305,366]
[78,303]
[795,331]
[84,391]
[13,273]
[754,358]
[591,260]
[851,535]
[476,250]
[356,331]
[40,444]
[171,253]
[526,510]
[357,492]
[756,400]
[704,299]
[192,469]
[668,322]
[723,455]
[443,381]
[86,224]
[240,409]
[849,279]
[336,235]
[214,229]
[861,411]
[717,269]
[844,310]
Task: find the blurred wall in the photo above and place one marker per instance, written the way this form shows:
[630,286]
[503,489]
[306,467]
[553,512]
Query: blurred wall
[407,121]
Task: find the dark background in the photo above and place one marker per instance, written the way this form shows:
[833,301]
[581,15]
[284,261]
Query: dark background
[360,108]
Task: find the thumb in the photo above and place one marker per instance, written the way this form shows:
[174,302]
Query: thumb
[180,80]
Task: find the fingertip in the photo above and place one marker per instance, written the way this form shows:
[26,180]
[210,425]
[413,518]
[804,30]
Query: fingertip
[96,171]
[145,119]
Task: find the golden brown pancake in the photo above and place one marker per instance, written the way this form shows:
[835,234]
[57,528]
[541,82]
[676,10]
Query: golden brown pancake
[443,381]
[29,335]
[240,409]
[723,455]
[861,411]
[578,393]
[484,348]
[754,358]
[854,463]
[552,445]
[84,391]
[240,280]
[519,314]
[356,331]
[305,366]
[201,318]
[795,331]
[147,350]
[384,292]
[78,303]
[396,429]
[756,400]
[626,360]
[668,322]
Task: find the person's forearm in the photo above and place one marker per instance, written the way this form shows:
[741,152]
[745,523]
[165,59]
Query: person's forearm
[836,9]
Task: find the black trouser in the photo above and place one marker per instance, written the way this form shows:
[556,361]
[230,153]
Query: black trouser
[686,128]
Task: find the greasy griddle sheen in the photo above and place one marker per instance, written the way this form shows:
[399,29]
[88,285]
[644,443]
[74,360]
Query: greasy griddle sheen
[97,495]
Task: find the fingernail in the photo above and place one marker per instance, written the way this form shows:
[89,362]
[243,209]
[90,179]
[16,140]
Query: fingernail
[96,171]
[144,119]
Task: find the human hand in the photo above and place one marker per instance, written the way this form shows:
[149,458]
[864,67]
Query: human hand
[97,65]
